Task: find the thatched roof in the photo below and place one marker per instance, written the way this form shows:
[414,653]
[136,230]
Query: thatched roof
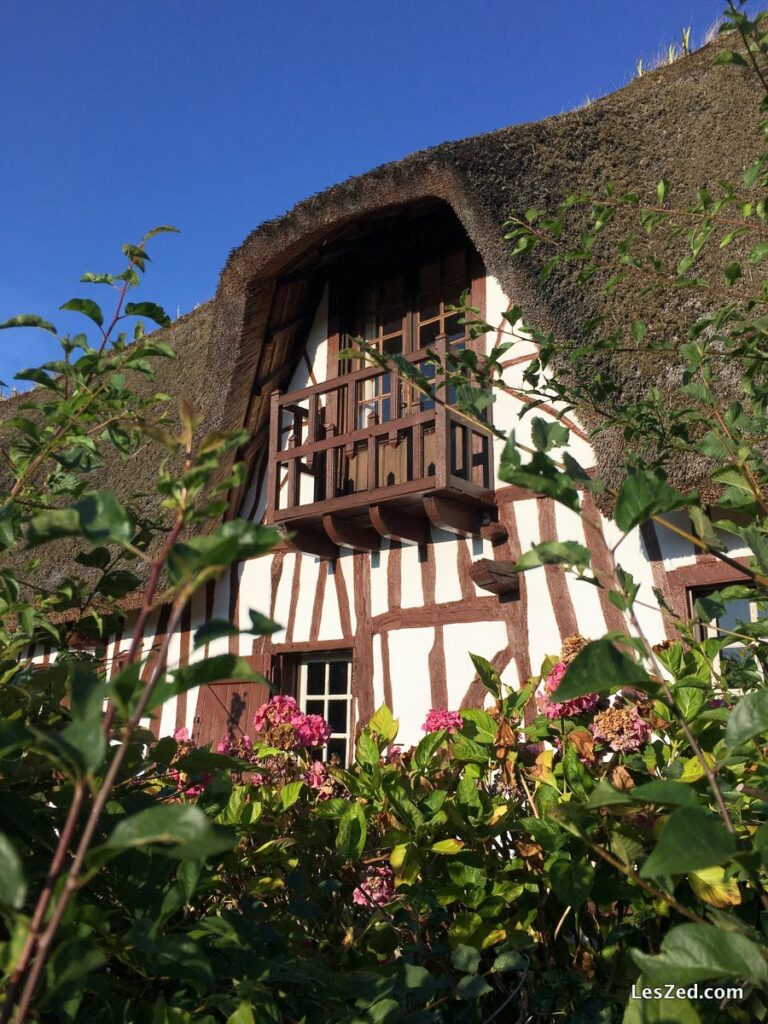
[691,122]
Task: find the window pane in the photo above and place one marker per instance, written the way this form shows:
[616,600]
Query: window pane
[453,328]
[735,611]
[315,677]
[371,329]
[337,715]
[339,748]
[428,334]
[338,676]
[393,346]
[315,707]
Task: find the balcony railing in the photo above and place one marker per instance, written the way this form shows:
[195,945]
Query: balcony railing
[366,439]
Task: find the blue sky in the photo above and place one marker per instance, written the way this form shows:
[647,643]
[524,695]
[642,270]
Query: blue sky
[217,116]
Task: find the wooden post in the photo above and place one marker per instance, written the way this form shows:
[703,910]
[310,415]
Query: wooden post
[273,455]
[442,424]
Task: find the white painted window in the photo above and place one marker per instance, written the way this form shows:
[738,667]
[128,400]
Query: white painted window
[733,658]
[325,688]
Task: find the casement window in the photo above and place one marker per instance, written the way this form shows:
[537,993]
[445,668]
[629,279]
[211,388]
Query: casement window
[322,685]
[325,689]
[733,659]
[402,314]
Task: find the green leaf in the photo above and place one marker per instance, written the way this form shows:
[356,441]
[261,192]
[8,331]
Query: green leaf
[676,852]
[87,307]
[13,888]
[290,793]
[383,724]
[214,629]
[730,57]
[184,829]
[658,1011]
[448,847]
[465,959]
[487,675]
[541,475]
[601,667]
[425,751]
[98,516]
[29,320]
[149,310]
[748,719]
[665,791]
[367,750]
[350,838]
[758,253]
[697,952]
[547,434]
[472,987]
[261,625]
[478,725]
[555,552]
[242,1015]
[572,881]
[233,540]
[644,494]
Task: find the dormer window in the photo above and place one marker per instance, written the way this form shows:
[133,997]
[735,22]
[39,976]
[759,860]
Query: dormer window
[348,452]
[404,314]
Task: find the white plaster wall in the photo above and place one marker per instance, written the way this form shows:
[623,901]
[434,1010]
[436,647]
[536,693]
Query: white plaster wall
[409,671]
[462,639]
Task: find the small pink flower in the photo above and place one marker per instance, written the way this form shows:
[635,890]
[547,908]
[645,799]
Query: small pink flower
[316,775]
[438,719]
[198,787]
[565,708]
[376,889]
[182,735]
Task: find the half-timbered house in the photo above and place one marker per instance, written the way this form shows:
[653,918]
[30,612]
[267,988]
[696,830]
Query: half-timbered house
[403,537]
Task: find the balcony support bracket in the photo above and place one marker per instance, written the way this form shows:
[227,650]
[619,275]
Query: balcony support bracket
[309,541]
[343,532]
[396,525]
[454,516]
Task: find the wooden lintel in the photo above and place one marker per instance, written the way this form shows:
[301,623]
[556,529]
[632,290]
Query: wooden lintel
[312,542]
[397,525]
[351,535]
[454,516]
[495,577]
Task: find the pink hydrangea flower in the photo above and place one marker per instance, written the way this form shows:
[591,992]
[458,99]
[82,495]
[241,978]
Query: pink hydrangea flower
[566,708]
[313,731]
[232,747]
[438,719]
[377,889]
[283,724]
[182,735]
[279,710]
[621,728]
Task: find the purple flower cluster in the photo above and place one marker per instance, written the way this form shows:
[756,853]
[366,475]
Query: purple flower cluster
[565,708]
[377,889]
[437,720]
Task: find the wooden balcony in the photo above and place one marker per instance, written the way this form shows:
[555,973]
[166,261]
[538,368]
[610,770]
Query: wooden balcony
[364,456]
